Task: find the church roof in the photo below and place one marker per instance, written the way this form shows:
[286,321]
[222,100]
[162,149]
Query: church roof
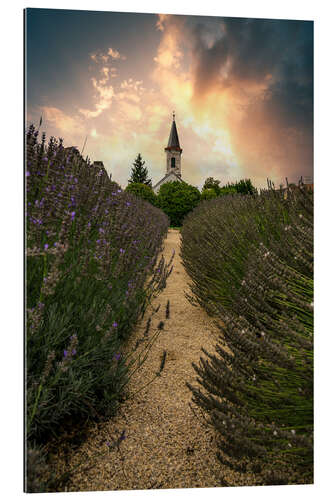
[173,137]
[170,174]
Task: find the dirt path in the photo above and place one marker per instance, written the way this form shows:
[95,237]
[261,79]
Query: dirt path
[166,446]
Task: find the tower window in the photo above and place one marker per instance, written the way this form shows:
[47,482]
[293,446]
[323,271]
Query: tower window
[173,162]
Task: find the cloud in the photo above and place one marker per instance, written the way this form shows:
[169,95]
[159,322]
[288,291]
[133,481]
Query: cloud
[241,90]
[104,57]
[115,54]
[105,94]
[160,21]
[243,86]
[169,53]
[64,123]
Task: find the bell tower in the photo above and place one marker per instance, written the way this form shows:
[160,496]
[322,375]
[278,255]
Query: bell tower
[173,151]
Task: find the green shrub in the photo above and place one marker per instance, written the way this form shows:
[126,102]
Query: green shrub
[177,199]
[208,194]
[211,183]
[227,190]
[142,191]
[257,388]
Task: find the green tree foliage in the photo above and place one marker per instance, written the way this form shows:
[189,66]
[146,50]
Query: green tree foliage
[244,186]
[142,191]
[211,183]
[177,199]
[228,189]
[208,194]
[139,172]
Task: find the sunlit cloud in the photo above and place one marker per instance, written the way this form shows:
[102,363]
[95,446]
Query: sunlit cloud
[102,57]
[61,121]
[115,54]
[105,93]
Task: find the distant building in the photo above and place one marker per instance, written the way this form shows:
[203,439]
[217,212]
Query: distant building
[173,159]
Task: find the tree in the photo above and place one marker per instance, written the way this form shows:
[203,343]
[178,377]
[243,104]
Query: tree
[208,194]
[142,191]
[139,172]
[244,186]
[177,199]
[211,183]
[228,189]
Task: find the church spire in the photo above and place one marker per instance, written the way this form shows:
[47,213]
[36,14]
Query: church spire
[173,137]
[173,151]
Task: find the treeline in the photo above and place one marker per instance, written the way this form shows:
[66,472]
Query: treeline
[250,260]
[177,199]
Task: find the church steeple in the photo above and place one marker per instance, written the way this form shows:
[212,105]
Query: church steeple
[173,137]
[173,150]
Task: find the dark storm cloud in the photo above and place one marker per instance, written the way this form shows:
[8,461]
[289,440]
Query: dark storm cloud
[249,50]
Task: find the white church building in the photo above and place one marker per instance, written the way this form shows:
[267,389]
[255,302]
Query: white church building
[173,159]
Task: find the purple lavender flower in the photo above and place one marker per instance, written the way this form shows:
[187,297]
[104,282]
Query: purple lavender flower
[128,203]
[27,173]
[72,216]
[73,352]
[65,353]
[115,324]
[122,250]
[117,356]
[46,246]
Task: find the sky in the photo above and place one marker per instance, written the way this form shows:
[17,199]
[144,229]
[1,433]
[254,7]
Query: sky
[241,90]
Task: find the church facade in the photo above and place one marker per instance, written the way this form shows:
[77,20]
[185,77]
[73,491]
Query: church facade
[173,159]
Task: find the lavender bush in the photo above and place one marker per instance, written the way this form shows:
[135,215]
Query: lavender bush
[257,388]
[220,234]
[91,270]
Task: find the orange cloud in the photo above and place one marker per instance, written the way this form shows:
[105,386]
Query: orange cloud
[105,96]
[67,125]
[101,57]
[114,54]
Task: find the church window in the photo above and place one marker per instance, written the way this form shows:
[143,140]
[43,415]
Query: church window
[173,162]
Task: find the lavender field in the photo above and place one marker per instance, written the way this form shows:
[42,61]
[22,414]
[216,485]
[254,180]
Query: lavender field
[251,263]
[91,270]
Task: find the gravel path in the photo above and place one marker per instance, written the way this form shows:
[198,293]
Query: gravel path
[166,446]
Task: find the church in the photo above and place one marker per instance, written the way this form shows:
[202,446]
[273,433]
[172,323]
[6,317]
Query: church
[173,159]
